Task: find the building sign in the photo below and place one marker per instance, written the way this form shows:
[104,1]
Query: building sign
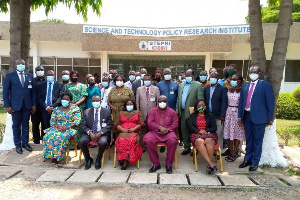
[155,45]
[169,32]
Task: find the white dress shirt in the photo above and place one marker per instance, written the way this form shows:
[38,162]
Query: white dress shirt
[50,93]
[128,84]
[99,122]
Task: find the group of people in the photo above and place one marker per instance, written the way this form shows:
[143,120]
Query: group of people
[141,112]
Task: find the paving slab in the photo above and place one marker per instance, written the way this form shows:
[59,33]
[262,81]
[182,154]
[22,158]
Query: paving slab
[236,180]
[85,176]
[30,174]
[8,172]
[143,178]
[202,179]
[293,180]
[114,177]
[173,179]
[55,176]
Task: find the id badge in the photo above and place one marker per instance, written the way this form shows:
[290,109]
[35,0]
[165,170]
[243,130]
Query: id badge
[171,92]
[152,99]
[29,86]
[103,125]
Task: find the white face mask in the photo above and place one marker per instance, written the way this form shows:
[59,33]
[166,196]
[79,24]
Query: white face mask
[168,77]
[40,73]
[253,76]
[162,105]
[119,83]
[137,78]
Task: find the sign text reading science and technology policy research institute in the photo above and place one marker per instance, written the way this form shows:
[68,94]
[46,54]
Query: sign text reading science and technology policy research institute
[167,32]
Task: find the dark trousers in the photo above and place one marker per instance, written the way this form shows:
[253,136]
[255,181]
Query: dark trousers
[254,139]
[85,139]
[45,119]
[36,119]
[20,120]
[179,130]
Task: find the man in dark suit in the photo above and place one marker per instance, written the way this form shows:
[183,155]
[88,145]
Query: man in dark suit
[49,97]
[19,101]
[96,126]
[256,110]
[140,82]
[215,97]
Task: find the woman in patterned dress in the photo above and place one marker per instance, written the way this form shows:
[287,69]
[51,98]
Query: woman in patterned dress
[232,131]
[63,121]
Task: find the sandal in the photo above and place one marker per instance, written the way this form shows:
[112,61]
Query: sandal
[60,163]
[230,158]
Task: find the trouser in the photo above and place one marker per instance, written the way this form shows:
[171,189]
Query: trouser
[219,132]
[179,130]
[152,138]
[254,139]
[85,139]
[36,119]
[46,119]
[185,131]
[20,120]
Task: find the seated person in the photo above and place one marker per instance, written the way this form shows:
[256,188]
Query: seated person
[96,126]
[202,125]
[129,124]
[162,124]
[63,121]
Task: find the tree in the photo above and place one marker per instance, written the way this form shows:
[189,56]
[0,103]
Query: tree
[20,21]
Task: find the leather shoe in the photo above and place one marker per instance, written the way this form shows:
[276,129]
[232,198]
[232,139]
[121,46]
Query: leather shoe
[98,163]
[185,152]
[226,153]
[169,169]
[180,143]
[19,149]
[154,169]
[245,164]
[88,164]
[162,149]
[253,168]
[27,147]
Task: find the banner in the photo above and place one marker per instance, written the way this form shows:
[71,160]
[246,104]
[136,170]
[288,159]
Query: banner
[169,32]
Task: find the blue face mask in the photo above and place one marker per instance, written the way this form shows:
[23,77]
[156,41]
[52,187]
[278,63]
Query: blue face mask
[65,77]
[50,78]
[188,79]
[96,104]
[142,76]
[203,78]
[129,108]
[20,68]
[65,103]
[147,83]
[132,77]
[104,84]
[233,83]
[183,81]
[213,81]
[179,78]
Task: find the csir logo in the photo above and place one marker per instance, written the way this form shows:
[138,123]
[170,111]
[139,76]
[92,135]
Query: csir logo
[143,45]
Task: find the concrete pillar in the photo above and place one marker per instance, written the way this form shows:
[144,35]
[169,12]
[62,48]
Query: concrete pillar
[35,56]
[104,62]
[208,61]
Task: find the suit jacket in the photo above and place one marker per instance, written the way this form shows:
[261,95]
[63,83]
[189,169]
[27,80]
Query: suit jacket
[219,100]
[142,103]
[211,125]
[136,85]
[194,94]
[262,102]
[88,120]
[57,90]
[14,94]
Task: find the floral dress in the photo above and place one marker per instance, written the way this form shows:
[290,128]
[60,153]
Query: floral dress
[55,142]
[78,91]
[128,144]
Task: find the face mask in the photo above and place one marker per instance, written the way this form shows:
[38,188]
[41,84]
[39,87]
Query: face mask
[226,75]
[179,78]
[91,83]
[50,78]
[162,105]
[213,81]
[65,77]
[158,79]
[183,81]
[233,83]
[104,84]
[137,78]
[253,76]
[131,77]
[188,79]
[129,108]
[65,103]
[113,76]
[147,83]
[201,108]
[96,104]
[40,73]
[230,73]
[203,78]
[119,83]
[168,77]
[20,68]
[74,80]
[142,76]
[110,76]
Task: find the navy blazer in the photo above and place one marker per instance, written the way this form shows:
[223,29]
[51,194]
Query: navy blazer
[57,90]
[262,102]
[219,100]
[14,94]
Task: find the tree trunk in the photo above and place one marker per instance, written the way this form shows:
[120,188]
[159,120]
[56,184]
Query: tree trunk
[278,61]
[258,56]
[25,30]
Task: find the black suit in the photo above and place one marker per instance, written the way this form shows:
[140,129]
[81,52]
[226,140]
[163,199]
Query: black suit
[41,98]
[211,125]
[136,85]
[87,125]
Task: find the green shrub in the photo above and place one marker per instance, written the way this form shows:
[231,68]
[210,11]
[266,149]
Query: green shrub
[2,130]
[287,107]
[296,94]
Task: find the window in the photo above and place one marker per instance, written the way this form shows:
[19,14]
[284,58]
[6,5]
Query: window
[292,71]
[219,65]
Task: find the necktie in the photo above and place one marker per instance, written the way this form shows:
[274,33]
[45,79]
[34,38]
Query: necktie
[49,95]
[147,93]
[249,96]
[22,79]
[94,129]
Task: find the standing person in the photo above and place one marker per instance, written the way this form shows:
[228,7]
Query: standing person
[92,90]
[256,110]
[137,76]
[181,78]
[215,97]
[139,82]
[131,79]
[65,77]
[20,100]
[157,77]
[36,118]
[203,78]
[188,94]
[112,75]
[104,92]
[232,69]
[87,79]
[48,98]
[212,69]
[225,74]
[232,131]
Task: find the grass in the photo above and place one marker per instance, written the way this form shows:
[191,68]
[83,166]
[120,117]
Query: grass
[2,115]
[282,125]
